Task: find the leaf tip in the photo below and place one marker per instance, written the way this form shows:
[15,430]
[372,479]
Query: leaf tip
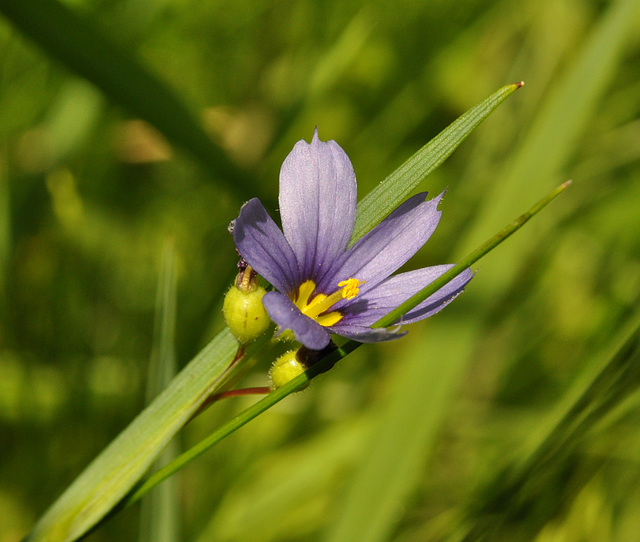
[519,84]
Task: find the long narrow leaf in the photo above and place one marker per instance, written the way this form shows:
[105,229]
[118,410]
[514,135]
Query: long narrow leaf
[160,513]
[515,488]
[397,186]
[112,474]
[419,400]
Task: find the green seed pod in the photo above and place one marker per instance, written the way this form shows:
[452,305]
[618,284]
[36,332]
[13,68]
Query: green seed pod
[285,369]
[244,313]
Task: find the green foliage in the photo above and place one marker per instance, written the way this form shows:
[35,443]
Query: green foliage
[160,512]
[396,187]
[513,415]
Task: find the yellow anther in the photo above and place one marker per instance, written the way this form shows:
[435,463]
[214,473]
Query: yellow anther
[318,306]
[350,288]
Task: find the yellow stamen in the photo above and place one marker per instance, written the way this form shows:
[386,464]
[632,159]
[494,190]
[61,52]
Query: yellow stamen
[329,319]
[304,293]
[317,307]
[350,289]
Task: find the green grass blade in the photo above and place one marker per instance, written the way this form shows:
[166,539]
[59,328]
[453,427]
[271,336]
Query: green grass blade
[406,430]
[288,485]
[239,421]
[160,512]
[515,489]
[83,47]
[397,186]
[112,474]
[163,363]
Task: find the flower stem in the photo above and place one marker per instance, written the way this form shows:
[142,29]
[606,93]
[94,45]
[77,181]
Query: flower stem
[331,358]
[235,423]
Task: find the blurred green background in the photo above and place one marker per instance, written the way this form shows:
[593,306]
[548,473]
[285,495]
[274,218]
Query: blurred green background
[435,437]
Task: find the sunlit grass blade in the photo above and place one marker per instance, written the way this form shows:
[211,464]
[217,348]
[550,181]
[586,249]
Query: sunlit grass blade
[288,485]
[237,422]
[112,474]
[515,489]
[80,45]
[423,382]
[163,364]
[160,512]
[333,357]
[397,186]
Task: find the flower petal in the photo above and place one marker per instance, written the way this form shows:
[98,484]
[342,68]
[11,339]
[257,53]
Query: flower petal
[364,334]
[440,299]
[264,247]
[284,313]
[387,247]
[317,203]
[370,307]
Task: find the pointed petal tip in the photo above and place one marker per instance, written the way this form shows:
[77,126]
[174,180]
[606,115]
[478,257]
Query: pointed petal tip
[318,196]
[436,199]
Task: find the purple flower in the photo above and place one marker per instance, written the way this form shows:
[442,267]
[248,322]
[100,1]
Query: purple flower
[322,286]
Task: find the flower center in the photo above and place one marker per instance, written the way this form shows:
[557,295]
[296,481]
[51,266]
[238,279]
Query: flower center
[317,307]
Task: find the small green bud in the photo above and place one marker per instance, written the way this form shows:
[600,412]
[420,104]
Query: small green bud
[285,369]
[243,309]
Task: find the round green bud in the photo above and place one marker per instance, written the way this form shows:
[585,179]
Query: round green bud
[285,369]
[244,313]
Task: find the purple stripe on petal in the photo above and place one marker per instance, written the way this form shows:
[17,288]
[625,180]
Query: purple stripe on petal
[284,313]
[388,246]
[317,203]
[367,335]
[262,244]
[370,307]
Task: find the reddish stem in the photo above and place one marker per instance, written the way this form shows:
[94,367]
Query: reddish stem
[264,390]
